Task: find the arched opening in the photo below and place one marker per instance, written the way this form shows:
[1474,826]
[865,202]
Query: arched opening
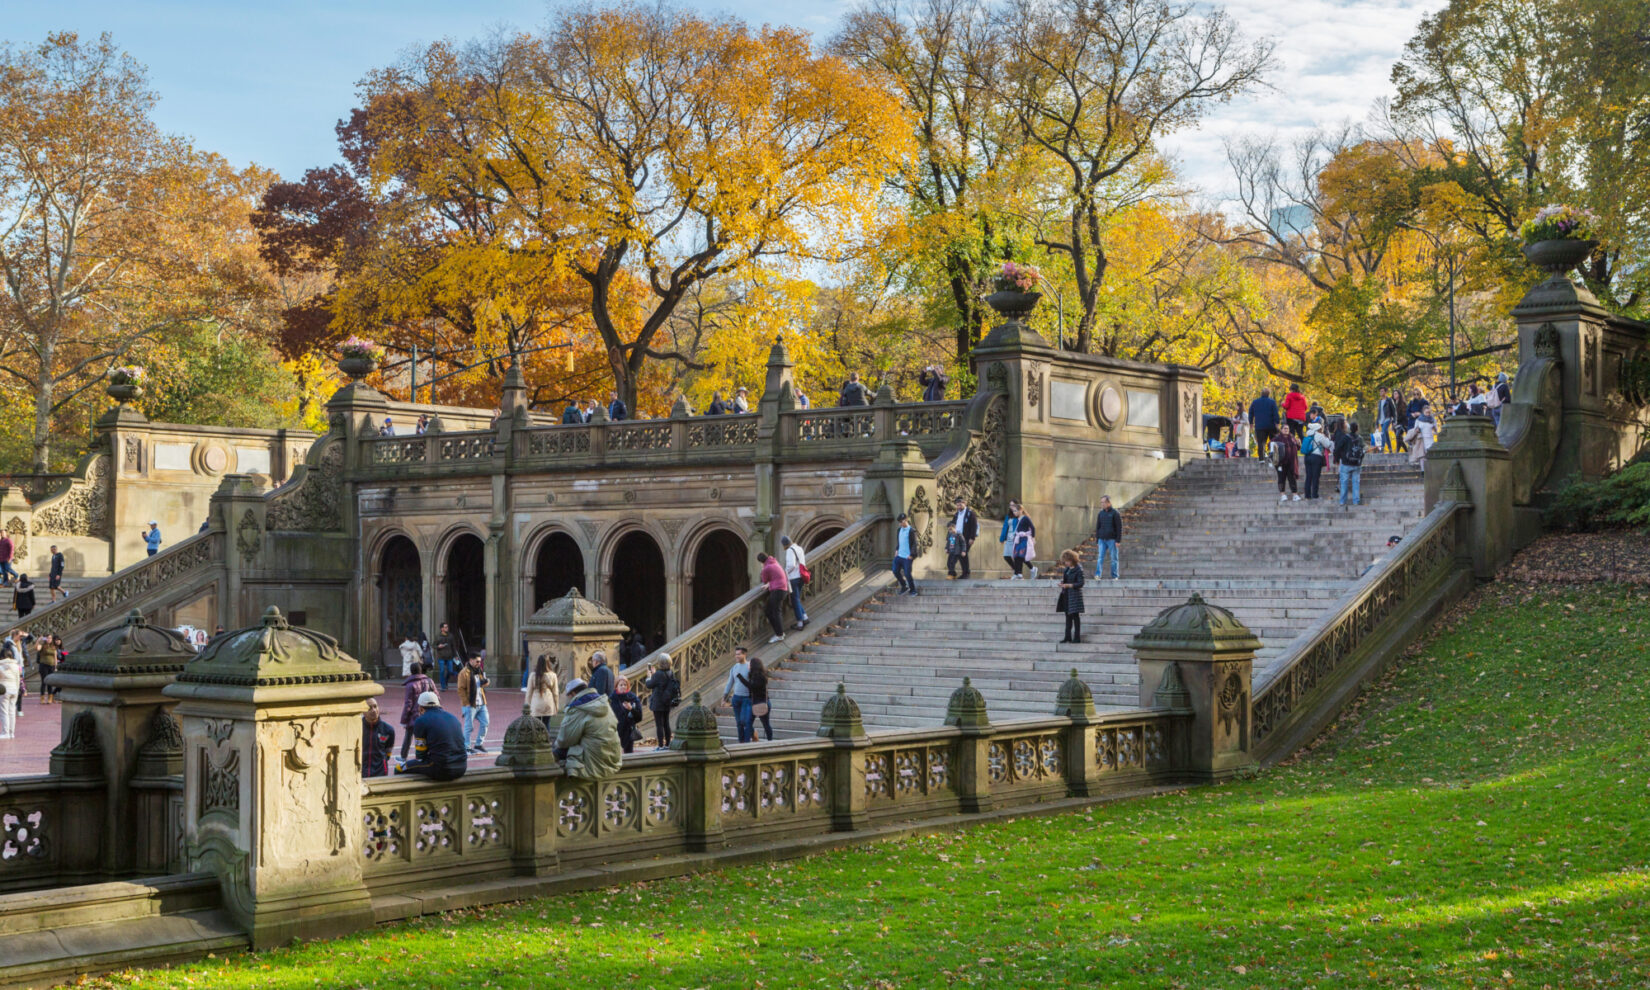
[467,590]
[824,534]
[401,586]
[636,585]
[559,566]
[719,572]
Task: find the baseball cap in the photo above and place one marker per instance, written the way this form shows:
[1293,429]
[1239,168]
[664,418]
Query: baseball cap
[429,699]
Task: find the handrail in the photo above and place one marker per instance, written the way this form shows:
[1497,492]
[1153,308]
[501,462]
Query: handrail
[1317,656]
[1531,425]
[699,651]
[120,590]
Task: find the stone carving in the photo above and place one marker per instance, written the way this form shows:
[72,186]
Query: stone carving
[978,475]
[79,754]
[922,517]
[716,494]
[639,437]
[879,773]
[18,530]
[133,463]
[162,755]
[619,806]
[1547,342]
[248,537]
[660,806]
[83,510]
[737,786]
[1589,362]
[573,812]
[721,432]
[996,377]
[558,440]
[672,526]
[590,531]
[996,763]
[630,495]
[486,815]
[810,785]
[221,785]
[828,490]
[1188,411]
[99,605]
[835,425]
[549,498]
[311,502]
[22,835]
[433,828]
[309,799]
[384,836]
[939,769]
[1034,384]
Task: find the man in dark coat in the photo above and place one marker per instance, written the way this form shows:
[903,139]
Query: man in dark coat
[601,675]
[450,652]
[377,742]
[968,527]
[615,407]
[438,742]
[853,392]
[1263,419]
[571,415]
[1108,533]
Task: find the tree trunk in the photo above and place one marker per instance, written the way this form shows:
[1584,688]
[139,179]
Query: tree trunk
[43,395]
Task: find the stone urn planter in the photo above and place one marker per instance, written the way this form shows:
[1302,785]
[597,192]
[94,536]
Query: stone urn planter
[357,367]
[1013,304]
[1558,257]
[124,392]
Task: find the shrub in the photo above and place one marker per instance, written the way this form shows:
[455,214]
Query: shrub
[1622,499]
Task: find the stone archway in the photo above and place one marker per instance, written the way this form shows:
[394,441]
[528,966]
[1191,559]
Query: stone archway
[558,566]
[720,573]
[466,588]
[819,536]
[636,585]
[401,590]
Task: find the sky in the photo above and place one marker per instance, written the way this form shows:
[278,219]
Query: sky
[265,82]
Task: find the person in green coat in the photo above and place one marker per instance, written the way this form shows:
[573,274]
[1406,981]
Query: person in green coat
[587,744]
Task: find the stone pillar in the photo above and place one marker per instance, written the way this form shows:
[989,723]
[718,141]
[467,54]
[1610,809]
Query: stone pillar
[113,681]
[1015,359]
[238,507]
[839,721]
[1076,702]
[355,413]
[770,445]
[1470,464]
[77,762]
[1212,655]
[900,480]
[570,629]
[966,711]
[699,740]
[271,721]
[1563,319]
[529,750]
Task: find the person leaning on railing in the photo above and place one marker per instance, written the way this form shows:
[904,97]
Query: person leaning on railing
[587,742]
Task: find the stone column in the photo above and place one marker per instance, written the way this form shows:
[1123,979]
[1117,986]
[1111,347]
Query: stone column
[839,721]
[1076,702]
[1014,358]
[271,721]
[113,682]
[966,711]
[900,480]
[1470,464]
[239,507]
[699,740]
[570,629]
[1212,654]
[769,446]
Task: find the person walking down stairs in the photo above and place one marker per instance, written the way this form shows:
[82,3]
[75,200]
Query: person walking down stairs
[905,550]
[22,597]
[1108,533]
[1025,543]
[1283,459]
[1070,601]
[1006,537]
[773,575]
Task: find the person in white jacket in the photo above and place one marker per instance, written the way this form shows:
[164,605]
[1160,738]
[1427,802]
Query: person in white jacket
[411,653]
[1422,436]
[11,682]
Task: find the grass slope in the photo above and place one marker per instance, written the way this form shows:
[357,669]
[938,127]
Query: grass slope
[1477,821]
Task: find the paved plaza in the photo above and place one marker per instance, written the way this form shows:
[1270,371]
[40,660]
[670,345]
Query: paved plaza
[40,728]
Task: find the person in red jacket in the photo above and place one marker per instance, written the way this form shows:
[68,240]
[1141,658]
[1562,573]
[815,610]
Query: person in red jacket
[1294,410]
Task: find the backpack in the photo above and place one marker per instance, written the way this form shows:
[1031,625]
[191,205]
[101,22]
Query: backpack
[1309,445]
[1354,455]
[1492,399]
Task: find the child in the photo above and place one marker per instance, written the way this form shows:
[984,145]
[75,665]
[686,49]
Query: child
[954,550]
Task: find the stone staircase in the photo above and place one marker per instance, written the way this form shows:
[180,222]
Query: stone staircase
[43,596]
[1215,527]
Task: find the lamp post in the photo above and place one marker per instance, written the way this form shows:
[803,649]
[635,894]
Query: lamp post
[1059,313]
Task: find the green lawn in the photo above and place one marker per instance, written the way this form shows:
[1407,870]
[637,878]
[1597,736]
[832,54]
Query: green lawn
[1478,821]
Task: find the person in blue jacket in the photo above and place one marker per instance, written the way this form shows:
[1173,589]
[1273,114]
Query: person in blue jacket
[1006,536]
[151,538]
[1263,419]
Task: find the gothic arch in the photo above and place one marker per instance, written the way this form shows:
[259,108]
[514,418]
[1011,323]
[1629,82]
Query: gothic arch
[814,530]
[696,534]
[443,545]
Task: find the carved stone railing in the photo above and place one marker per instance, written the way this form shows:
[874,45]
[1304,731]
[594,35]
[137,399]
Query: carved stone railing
[42,835]
[418,834]
[83,506]
[973,465]
[1387,605]
[471,446]
[176,574]
[704,652]
[834,425]
[1532,424]
[722,431]
[929,418]
[399,450]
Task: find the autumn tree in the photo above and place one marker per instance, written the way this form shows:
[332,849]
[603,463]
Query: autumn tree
[1095,84]
[101,216]
[648,146]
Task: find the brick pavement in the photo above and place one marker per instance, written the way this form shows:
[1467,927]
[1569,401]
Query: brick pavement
[39,729]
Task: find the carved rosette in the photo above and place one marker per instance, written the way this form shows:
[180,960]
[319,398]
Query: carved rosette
[1548,343]
[1034,384]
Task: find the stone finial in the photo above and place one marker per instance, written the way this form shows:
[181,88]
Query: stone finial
[696,729]
[777,355]
[884,396]
[839,719]
[272,654]
[1075,700]
[79,754]
[599,415]
[1196,626]
[966,709]
[1171,691]
[133,647]
[680,409]
[435,425]
[577,613]
[527,744]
